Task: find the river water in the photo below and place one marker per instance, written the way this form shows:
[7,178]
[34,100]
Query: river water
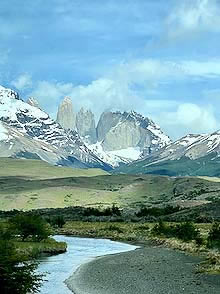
[79,251]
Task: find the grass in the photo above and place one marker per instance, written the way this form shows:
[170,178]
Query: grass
[37,169]
[61,189]
[114,231]
[34,249]
[34,184]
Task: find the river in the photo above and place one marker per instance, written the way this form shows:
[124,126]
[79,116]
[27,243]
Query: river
[79,251]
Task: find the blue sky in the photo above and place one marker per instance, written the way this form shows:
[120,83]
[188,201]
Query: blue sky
[160,58]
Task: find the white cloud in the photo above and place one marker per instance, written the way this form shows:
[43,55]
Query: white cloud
[194,16]
[22,82]
[132,86]
[189,118]
[49,95]
[201,68]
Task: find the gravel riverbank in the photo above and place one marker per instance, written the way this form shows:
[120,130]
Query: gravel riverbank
[148,270]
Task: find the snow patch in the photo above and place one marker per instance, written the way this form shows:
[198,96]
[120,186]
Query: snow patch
[130,153]
[113,158]
[3,133]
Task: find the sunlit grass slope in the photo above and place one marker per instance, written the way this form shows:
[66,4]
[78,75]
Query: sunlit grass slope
[37,169]
[33,184]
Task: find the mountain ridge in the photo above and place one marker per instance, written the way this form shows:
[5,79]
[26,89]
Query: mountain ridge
[190,155]
[125,141]
[26,128]
[118,136]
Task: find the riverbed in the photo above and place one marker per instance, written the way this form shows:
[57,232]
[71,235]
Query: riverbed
[79,251]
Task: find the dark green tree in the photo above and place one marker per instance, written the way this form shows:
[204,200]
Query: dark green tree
[30,226]
[17,274]
[57,221]
[214,235]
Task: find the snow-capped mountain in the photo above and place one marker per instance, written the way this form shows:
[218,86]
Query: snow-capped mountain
[118,131]
[119,137]
[125,137]
[190,155]
[25,131]
[191,146]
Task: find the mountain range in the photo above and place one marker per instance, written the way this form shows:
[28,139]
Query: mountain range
[124,141]
[28,132]
[118,138]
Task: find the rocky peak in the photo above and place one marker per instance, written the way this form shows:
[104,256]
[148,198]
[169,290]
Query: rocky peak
[8,93]
[65,115]
[85,125]
[33,102]
[117,130]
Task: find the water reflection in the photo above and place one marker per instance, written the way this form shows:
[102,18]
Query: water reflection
[80,250]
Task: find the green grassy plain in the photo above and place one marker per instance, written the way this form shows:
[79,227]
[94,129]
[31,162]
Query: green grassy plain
[33,184]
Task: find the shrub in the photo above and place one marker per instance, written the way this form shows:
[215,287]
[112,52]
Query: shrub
[213,239]
[30,226]
[157,211]
[184,231]
[115,229]
[57,221]
[161,229]
[109,211]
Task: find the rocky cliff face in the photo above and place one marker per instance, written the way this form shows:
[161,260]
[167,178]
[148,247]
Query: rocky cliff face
[115,132]
[85,125]
[118,130]
[65,115]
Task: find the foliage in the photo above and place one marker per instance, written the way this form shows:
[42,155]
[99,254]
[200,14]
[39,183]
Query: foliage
[30,226]
[157,211]
[17,275]
[160,229]
[185,231]
[109,211]
[57,221]
[115,228]
[214,236]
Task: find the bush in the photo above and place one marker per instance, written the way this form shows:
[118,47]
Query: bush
[184,231]
[110,211]
[161,229]
[30,226]
[57,221]
[157,211]
[213,239]
[114,228]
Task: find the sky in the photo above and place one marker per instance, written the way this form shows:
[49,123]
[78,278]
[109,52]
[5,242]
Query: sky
[158,57]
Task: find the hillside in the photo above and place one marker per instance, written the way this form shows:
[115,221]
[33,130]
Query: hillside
[192,155]
[30,184]
[204,166]
[38,169]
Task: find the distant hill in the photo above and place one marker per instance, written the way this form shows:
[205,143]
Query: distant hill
[33,184]
[192,155]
